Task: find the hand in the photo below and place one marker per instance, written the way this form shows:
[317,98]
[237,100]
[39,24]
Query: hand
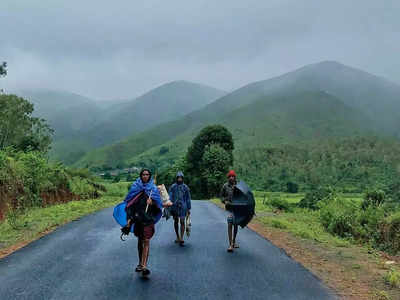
[126,229]
[149,201]
[169,203]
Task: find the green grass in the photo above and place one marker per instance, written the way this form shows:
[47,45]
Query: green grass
[303,223]
[119,189]
[28,225]
[392,278]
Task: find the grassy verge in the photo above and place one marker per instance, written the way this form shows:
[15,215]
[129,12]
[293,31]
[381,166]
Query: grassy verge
[355,271]
[20,229]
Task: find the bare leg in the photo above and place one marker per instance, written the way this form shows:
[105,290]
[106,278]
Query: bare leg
[230,237]
[140,250]
[235,231]
[146,251]
[176,226]
[182,228]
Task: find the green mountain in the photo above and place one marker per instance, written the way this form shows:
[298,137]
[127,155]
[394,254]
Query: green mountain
[297,118]
[162,104]
[67,113]
[81,124]
[316,101]
[294,118]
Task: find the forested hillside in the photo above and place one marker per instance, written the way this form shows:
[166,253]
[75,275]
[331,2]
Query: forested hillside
[27,178]
[81,124]
[257,113]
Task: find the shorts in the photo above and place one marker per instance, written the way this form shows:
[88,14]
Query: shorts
[230,219]
[143,232]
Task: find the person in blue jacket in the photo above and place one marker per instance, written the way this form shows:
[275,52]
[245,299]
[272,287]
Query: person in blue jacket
[179,194]
[138,213]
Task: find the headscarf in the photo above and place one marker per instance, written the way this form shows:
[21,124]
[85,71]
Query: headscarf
[149,188]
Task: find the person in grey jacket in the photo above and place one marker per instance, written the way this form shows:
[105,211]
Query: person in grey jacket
[179,194]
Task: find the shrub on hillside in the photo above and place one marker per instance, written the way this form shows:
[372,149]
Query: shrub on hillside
[373,198]
[369,220]
[389,230]
[280,203]
[26,178]
[392,278]
[339,216]
[313,197]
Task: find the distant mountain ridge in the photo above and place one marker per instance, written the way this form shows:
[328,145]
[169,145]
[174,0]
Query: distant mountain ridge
[85,124]
[352,102]
[162,104]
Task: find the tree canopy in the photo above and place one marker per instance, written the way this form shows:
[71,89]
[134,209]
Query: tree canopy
[208,159]
[3,69]
[19,129]
[213,134]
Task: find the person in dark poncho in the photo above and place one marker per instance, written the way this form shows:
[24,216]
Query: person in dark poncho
[226,198]
[138,213]
[179,194]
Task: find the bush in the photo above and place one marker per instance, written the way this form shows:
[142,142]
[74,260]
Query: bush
[27,178]
[389,230]
[281,224]
[116,179]
[392,278]
[339,217]
[280,203]
[313,197]
[373,198]
[369,220]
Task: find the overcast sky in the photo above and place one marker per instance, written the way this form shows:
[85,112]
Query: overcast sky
[120,49]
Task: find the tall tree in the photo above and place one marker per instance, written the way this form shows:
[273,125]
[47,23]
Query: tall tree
[208,158]
[3,69]
[213,134]
[19,129]
[215,165]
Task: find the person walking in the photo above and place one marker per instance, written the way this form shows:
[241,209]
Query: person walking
[226,198]
[179,194]
[141,209]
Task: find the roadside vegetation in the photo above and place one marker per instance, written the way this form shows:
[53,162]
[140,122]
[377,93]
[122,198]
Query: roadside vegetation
[36,194]
[350,240]
[22,226]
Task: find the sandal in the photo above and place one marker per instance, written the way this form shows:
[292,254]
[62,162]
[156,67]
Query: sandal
[230,249]
[181,243]
[139,268]
[235,245]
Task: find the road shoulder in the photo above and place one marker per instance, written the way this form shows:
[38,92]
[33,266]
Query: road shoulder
[352,272]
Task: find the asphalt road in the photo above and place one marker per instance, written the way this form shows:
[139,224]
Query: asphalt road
[86,260]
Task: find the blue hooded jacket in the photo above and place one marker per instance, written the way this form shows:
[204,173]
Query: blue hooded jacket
[137,187]
[179,194]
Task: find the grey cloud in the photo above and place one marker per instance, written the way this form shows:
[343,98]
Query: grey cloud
[107,49]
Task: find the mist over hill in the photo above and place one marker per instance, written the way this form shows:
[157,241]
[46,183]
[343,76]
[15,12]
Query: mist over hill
[317,101]
[162,104]
[82,124]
